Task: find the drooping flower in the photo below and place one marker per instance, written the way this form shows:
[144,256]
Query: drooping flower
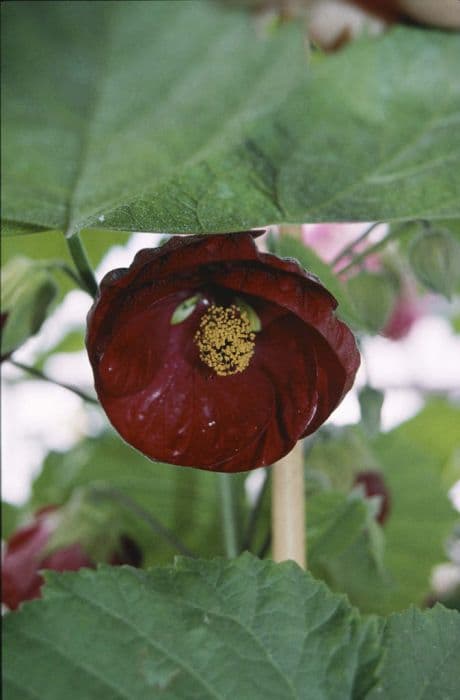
[209,353]
[27,553]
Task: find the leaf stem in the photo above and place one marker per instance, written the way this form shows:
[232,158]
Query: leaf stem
[155,525]
[229,515]
[38,374]
[80,258]
[349,248]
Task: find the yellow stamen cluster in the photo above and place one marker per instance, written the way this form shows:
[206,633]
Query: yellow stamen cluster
[224,339]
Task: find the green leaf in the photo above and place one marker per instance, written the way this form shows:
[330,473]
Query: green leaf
[12,516]
[421,660]
[419,462]
[97,527]
[334,522]
[204,629]
[27,293]
[51,248]
[216,629]
[51,245]
[185,500]
[339,454]
[180,117]
[434,431]
[413,458]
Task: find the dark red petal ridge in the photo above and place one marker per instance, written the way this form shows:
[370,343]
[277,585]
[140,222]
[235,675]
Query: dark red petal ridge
[167,403]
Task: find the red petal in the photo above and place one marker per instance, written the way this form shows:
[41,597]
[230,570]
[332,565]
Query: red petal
[167,403]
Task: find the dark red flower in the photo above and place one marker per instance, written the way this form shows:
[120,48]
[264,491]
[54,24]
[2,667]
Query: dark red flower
[374,485]
[25,555]
[208,353]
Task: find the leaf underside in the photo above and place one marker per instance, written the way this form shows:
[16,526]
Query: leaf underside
[181,117]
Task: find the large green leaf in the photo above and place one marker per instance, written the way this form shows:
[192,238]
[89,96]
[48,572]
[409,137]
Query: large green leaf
[422,653]
[218,629]
[179,116]
[245,629]
[184,500]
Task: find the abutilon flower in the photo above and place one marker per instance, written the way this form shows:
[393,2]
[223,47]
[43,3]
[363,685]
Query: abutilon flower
[26,554]
[209,353]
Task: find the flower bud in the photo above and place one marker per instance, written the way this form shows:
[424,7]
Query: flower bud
[435,259]
[374,485]
[49,543]
[373,296]
[27,292]
[370,402]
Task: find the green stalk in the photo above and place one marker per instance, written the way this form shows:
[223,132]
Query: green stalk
[255,512]
[78,253]
[67,270]
[154,524]
[38,374]
[229,515]
[395,233]
[349,248]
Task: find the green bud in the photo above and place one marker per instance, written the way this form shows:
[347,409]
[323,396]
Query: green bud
[27,291]
[435,259]
[370,402]
[373,296]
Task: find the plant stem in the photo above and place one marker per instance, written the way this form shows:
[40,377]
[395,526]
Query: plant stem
[349,248]
[155,525]
[255,512]
[229,515]
[265,545]
[58,265]
[41,375]
[78,253]
[288,508]
[360,257]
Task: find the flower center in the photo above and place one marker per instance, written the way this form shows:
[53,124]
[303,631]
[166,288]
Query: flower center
[225,340]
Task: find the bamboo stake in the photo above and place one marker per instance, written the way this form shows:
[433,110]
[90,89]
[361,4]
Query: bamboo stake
[288,509]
